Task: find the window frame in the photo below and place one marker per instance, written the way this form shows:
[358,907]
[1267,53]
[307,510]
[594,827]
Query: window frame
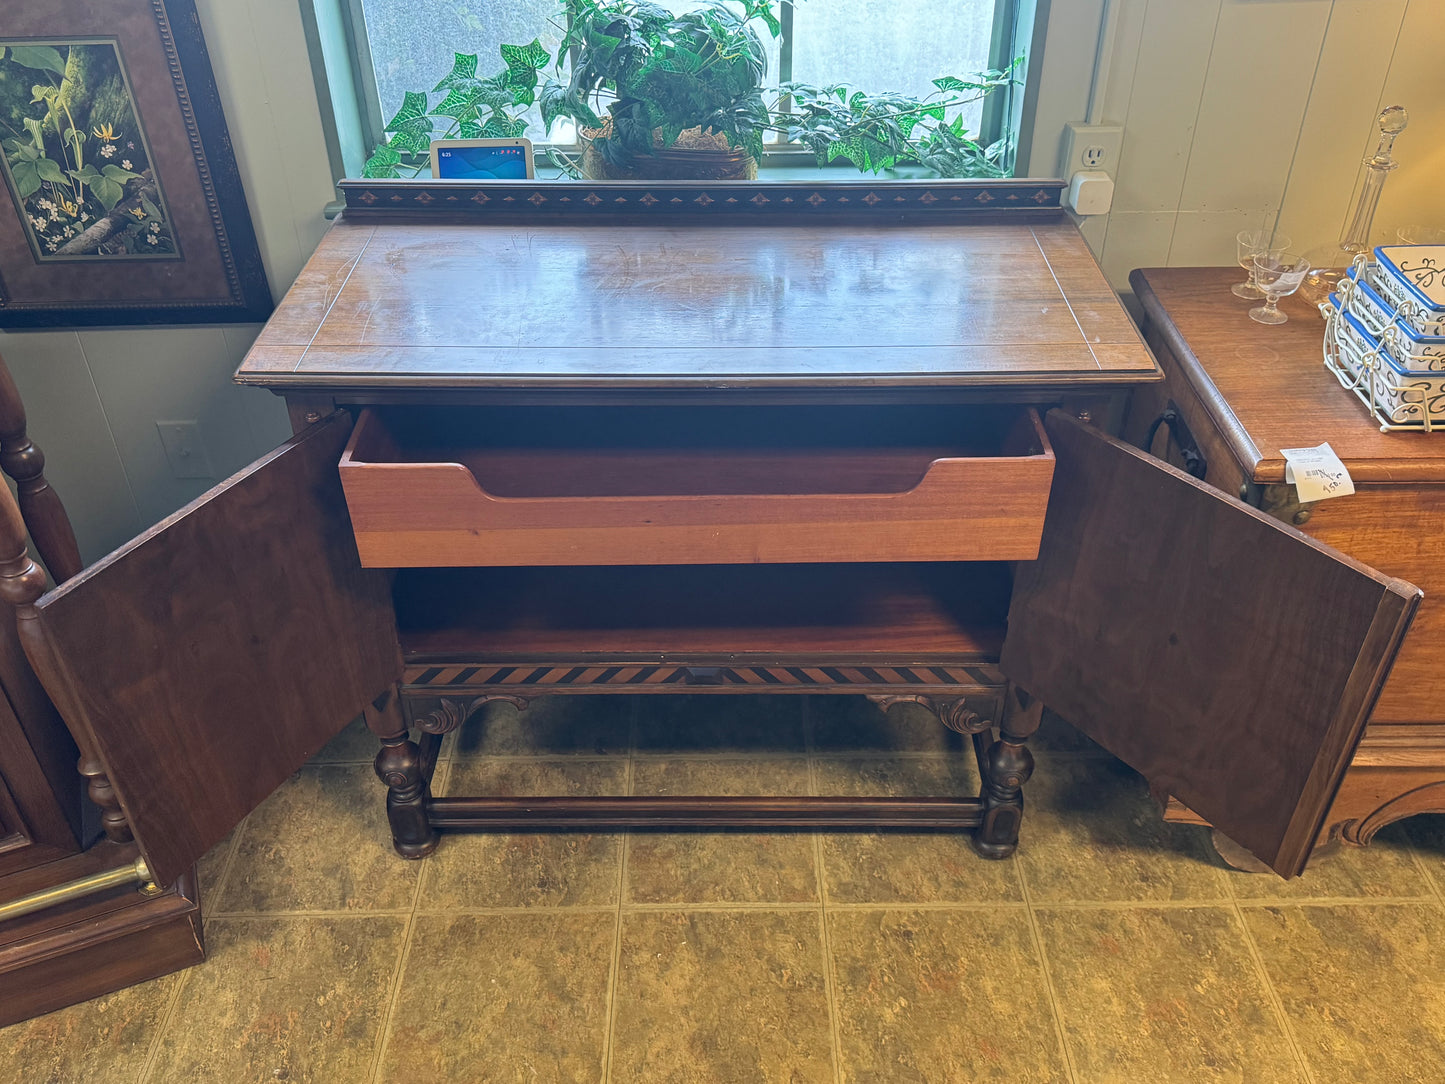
[355,123]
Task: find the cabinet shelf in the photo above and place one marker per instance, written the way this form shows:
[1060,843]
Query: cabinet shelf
[918,612]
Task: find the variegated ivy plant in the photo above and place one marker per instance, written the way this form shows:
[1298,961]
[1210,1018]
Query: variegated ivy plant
[469,108]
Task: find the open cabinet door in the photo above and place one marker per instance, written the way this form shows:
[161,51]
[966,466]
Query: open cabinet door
[210,657]
[1227,657]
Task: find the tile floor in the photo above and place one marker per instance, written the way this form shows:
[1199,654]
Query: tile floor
[1112,948]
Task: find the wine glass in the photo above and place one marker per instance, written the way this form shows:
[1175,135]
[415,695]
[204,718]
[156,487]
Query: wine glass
[1278,274]
[1421,235]
[1247,243]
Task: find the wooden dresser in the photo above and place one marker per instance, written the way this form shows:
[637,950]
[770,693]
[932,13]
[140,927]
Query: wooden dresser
[1241,392]
[738,438]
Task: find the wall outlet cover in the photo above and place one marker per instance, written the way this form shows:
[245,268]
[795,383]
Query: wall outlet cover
[1091,147]
[184,450]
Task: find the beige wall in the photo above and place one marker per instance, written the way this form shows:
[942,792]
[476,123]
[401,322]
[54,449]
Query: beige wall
[1235,111]
[94,396]
[1238,112]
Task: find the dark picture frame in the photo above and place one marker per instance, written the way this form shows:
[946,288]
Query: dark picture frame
[123,204]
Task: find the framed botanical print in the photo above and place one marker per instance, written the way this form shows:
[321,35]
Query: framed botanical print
[125,205]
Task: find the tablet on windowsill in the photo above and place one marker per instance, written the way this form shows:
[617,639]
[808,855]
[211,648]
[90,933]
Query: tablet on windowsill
[482,159]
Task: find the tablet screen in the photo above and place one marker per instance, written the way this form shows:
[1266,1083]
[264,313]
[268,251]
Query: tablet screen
[482,163]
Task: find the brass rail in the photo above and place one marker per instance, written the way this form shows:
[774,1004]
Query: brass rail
[136,872]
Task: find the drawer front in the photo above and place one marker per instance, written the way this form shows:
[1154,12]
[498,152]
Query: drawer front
[595,507]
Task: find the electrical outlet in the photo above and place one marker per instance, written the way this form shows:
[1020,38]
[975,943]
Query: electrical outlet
[184,450]
[1092,147]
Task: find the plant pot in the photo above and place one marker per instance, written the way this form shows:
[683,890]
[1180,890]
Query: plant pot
[696,156]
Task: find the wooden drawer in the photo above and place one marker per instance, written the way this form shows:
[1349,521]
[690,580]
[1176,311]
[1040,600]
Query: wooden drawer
[704,485]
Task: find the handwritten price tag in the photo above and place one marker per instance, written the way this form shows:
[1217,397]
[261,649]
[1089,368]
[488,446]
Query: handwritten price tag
[1316,473]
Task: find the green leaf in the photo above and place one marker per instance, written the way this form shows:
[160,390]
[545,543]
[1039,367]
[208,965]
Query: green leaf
[411,128]
[553,103]
[151,210]
[502,128]
[27,179]
[85,174]
[952,82]
[458,104]
[531,56]
[49,170]
[40,92]
[107,191]
[464,71]
[382,163]
[120,176]
[38,58]
[469,129]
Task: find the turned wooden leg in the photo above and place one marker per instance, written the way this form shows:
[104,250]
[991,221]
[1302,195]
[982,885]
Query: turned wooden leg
[1005,767]
[401,767]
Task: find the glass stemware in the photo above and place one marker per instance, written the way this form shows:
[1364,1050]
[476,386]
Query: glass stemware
[1278,274]
[1248,244]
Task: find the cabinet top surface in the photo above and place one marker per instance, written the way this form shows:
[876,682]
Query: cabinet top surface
[469,306]
[1267,387]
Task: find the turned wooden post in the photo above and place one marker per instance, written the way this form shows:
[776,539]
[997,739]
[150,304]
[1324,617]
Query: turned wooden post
[22,581]
[41,510]
[402,767]
[1006,766]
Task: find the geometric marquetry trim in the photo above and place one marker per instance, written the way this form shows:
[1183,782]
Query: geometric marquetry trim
[571,202]
[539,677]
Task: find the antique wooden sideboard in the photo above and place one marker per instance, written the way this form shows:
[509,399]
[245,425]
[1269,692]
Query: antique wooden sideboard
[627,438]
[1236,393]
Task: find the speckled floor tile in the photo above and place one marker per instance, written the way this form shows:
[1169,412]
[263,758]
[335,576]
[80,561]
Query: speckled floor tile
[1091,832]
[550,726]
[720,867]
[104,1039]
[1055,735]
[212,867]
[503,998]
[908,867]
[1363,987]
[709,996]
[320,843]
[1163,994]
[283,998]
[538,869]
[354,745]
[928,996]
[854,724]
[1385,868]
[1427,833]
[719,724]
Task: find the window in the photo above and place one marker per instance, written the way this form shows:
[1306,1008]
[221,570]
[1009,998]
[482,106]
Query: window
[394,46]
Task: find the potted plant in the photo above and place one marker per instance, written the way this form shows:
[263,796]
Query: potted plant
[661,95]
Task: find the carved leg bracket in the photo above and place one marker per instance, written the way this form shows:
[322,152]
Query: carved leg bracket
[1005,766]
[952,711]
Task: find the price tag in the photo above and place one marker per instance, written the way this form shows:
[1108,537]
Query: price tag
[1316,473]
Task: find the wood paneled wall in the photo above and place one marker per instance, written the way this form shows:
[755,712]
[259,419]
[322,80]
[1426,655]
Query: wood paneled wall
[1239,113]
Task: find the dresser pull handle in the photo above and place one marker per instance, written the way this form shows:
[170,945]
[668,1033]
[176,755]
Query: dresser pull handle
[1194,461]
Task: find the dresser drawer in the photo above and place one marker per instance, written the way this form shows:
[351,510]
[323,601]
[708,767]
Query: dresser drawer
[704,485]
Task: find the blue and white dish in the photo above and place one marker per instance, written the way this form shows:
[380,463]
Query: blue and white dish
[1411,279]
[1416,353]
[1403,398]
